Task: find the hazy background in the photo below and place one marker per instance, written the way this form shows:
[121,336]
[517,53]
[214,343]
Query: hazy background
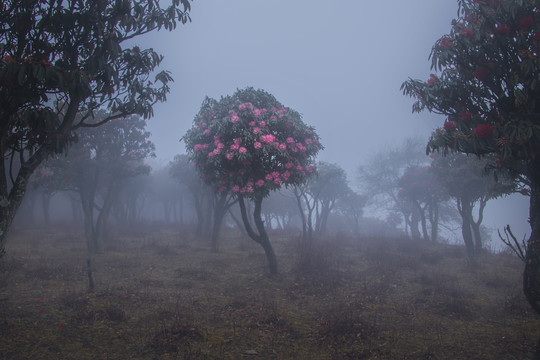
[339,63]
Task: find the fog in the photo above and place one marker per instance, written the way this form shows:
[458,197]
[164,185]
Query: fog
[115,254]
[341,66]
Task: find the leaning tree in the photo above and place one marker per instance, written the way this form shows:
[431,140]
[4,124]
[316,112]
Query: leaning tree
[60,60]
[486,85]
[248,145]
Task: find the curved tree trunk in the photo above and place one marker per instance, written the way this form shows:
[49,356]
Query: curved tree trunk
[262,236]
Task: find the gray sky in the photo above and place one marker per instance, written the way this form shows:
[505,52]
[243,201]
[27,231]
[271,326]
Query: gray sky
[339,63]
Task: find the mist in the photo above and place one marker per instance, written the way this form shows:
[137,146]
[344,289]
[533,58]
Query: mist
[346,240]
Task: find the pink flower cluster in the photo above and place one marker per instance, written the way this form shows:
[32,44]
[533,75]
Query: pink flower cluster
[198,147]
[234,117]
[445,43]
[268,138]
[245,106]
[243,190]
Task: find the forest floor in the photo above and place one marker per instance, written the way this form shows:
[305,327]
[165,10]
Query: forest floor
[161,294]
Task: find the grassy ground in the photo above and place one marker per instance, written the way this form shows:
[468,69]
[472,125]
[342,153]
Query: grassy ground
[162,295]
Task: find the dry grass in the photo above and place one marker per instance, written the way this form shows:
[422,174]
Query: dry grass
[161,295]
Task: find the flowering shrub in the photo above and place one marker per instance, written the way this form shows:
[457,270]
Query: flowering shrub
[249,143]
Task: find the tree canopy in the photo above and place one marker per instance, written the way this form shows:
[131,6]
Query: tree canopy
[61,61]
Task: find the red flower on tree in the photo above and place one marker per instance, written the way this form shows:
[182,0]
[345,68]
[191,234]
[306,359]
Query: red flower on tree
[467,33]
[483,131]
[445,43]
[465,116]
[449,125]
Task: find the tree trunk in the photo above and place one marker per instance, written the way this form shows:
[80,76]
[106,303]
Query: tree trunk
[46,205]
[220,209]
[476,226]
[415,220]
[531,275]
[297,194]
[11,198]
[465,210]
[434,220]
[262,236]
[422,214]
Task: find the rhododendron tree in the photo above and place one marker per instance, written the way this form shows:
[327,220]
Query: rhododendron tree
[60,61]
[248,144]
[487,85]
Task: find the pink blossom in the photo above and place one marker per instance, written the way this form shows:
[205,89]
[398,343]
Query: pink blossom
[299,167]
[310,169]
[234,118]
[222,189]
[262,123]
[242,150]
[445,43]
[242,107]
[220,145]
[257,145]
[268,177]
[282,147]
[250,189]
[275,174]
[242,190]
[483,131]
[289,165]
[268,138]
[256,130]
[277,181]
[198,147]
[289,140]
[259,183]
[207,132]
[449,125]
[285,176]
[432,79]
[235,147]
[230,156]
[257,112]
[467,33]
[252,123]
[235,188]
[309,141]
